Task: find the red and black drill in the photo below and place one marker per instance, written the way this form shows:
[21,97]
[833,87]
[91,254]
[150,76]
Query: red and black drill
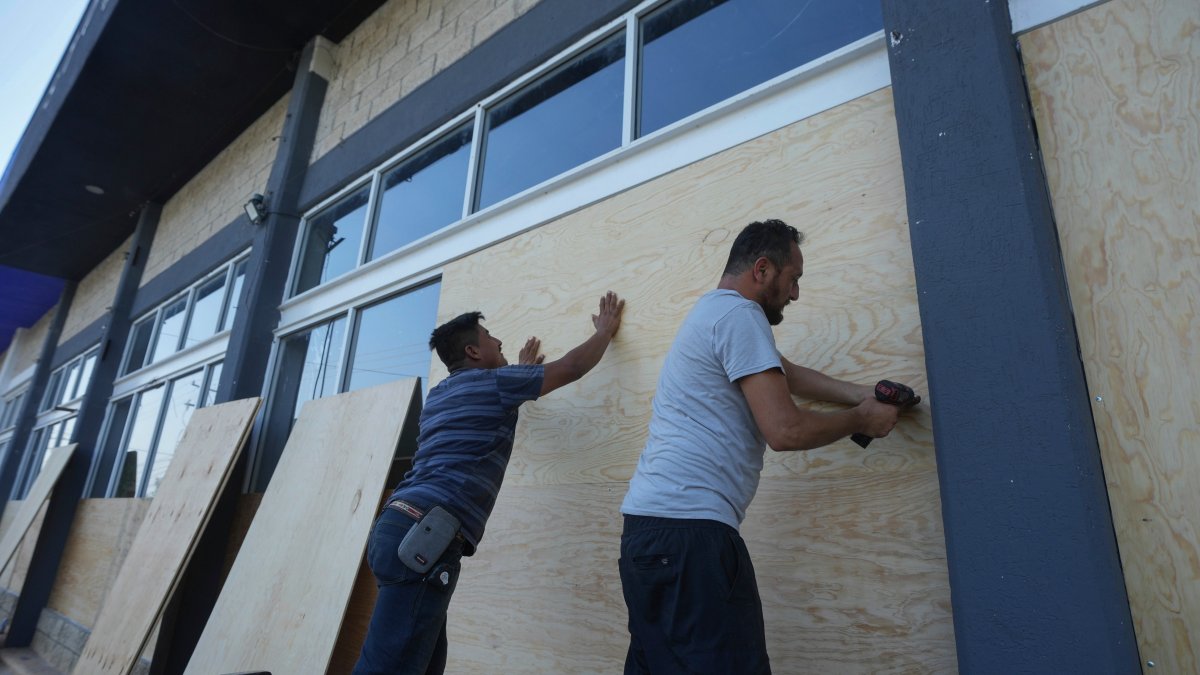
[892,393]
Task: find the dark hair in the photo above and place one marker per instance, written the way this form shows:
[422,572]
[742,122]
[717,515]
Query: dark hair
[769,238]
[450,339]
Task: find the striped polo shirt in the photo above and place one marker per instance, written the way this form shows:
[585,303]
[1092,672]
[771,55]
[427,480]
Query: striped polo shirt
[466,438]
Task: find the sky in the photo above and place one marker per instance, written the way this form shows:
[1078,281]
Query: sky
[33,36]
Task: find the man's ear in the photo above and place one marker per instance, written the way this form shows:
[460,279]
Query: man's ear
[472,352]
[760,269]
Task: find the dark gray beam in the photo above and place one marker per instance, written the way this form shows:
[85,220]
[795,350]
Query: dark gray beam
[247,356]
[60,512]
[1035,578]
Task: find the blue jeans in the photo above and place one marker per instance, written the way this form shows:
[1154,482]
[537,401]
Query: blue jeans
[407,633]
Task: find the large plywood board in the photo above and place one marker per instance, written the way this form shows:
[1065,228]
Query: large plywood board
[39,492]
[101,535]
[283,603]
[1116,93]
[543,595]
[164,543]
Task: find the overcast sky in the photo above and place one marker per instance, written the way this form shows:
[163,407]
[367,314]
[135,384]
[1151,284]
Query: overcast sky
[33,36]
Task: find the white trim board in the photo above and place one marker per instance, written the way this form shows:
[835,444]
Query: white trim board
[1030,14]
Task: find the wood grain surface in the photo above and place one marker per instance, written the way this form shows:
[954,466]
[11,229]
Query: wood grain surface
[101,536]
[1116,94]
[284,600]
[13,575]
[543,594]
[39,492]
[177,515]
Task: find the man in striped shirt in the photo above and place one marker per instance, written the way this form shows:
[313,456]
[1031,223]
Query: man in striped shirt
[466,438]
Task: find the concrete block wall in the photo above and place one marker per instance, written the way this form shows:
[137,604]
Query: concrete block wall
[399,48]
[95,292]
[27,343]
[216,195]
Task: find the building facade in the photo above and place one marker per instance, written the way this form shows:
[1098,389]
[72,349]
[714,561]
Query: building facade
[1000,209]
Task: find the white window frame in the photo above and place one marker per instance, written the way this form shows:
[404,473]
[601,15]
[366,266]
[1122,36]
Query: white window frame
[199,350]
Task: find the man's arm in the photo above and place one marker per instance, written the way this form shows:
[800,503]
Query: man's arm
[788,427]
[577,362]
[815,386]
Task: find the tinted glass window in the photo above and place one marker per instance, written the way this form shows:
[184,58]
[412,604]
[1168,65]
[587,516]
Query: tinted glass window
[141,436]
[118,417]
[181,402]
[557,123]
[206,310]
[170,329]
[424,194]
[331,241]
[235,295]
[85,373]
[53,386]
[70,382]
[698,52]
[392,339]
[139,342]
[214,380]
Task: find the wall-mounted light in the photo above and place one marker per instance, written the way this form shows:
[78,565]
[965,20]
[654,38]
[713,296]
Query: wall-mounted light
[256,209]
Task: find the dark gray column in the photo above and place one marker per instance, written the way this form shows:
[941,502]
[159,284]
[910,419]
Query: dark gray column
[1035,578]
[248,354]
[60,512]
[27,413]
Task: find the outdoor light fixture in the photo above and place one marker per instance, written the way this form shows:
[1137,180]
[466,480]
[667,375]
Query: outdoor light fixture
[256,210]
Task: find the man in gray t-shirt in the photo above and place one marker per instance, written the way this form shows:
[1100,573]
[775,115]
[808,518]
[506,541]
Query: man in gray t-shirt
[724,394]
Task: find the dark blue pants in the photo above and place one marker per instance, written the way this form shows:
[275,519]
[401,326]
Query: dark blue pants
[407,633]
[692,597]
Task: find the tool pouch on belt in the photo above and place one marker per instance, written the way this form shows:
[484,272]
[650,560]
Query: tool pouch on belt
[428,540]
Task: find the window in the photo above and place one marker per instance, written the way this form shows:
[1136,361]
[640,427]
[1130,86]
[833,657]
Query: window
[41,441]
[695,53]
[12,407]
[559,122]
[332,239]
[391,339]
[144,429]
[70,381]
[188,319]
[423,194]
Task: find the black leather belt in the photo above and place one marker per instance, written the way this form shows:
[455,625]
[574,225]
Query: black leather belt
[416,514]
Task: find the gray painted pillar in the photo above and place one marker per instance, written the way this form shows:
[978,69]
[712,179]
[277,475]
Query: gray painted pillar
[27,414]
[1035,579]
[35,592]
[60,512]
[247,357]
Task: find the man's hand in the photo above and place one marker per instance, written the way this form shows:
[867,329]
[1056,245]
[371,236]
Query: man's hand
[529,353]
[878,418]
[609,318]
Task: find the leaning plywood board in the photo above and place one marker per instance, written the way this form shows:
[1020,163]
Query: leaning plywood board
[285,597]
[1116,94]
[203,460]
[543,594]
[38,494]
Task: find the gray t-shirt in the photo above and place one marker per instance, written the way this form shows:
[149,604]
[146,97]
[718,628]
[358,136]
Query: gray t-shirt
[705,453]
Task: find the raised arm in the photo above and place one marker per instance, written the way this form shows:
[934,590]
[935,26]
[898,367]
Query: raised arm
[788,427]
[816,386]
[577,362]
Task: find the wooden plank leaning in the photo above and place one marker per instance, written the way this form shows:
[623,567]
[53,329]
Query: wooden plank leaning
[206,454]
[286,596]
[39,492]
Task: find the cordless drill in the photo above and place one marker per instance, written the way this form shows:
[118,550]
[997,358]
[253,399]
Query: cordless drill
[892,393]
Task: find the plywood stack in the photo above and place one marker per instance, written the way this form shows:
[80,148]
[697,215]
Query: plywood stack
[847,542]
[203,460]
[39,492]
[284,601]
[1116,93]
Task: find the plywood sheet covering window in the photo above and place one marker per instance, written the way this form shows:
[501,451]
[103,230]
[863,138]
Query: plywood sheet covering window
[1116,94]
[847,542]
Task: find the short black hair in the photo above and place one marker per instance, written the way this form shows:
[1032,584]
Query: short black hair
[450,339]
[772,239]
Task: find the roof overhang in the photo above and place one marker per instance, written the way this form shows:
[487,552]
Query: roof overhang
[146,95]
